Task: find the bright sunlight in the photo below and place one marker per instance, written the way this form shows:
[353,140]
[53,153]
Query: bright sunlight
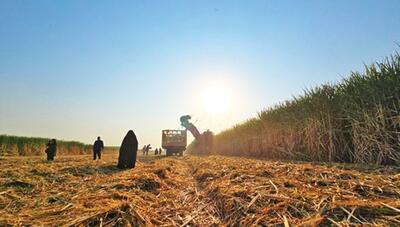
[216,100]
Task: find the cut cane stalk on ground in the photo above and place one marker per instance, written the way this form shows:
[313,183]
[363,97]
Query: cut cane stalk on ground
[195,191]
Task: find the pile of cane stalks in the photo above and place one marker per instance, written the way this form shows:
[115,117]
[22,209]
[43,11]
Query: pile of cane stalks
[195,191]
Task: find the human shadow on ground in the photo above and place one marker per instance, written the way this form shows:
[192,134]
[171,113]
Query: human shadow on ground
[108,169]
[81,171]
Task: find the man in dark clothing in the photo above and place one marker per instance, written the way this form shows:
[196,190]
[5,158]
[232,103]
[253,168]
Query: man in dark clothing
[148,148]
[144,150]
[128,151]
[98,146]
[51,149]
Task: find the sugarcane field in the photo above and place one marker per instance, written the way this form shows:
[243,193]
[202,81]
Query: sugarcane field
[199,113]
[195,191]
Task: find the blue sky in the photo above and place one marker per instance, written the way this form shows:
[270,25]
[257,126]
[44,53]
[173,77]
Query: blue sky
[77,69]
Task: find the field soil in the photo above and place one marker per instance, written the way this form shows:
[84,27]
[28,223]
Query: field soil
[195,191]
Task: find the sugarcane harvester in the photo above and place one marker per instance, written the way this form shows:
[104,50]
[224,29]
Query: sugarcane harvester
[203,142]
[174,141]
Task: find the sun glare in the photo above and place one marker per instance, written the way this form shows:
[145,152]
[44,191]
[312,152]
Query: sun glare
[216,100]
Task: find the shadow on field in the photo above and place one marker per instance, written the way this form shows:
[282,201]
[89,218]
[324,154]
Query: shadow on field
[90,170]
[109,169]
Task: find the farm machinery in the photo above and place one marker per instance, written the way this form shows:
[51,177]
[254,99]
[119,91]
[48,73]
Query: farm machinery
[174,141]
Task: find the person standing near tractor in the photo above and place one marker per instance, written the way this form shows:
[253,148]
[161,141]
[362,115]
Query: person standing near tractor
[144,150]
[148,148]
[98,147]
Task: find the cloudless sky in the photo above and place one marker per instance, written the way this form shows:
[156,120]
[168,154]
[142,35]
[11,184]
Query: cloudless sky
[74,70]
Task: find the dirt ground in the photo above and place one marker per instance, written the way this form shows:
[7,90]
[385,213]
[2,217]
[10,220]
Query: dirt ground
[195,191]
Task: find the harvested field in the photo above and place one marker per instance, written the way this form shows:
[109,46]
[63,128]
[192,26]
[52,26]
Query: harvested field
[195,191]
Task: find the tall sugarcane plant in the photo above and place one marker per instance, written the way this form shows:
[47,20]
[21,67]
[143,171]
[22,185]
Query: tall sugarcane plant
[355,120]
[17,145]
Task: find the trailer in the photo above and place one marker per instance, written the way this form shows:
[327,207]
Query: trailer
[174,141]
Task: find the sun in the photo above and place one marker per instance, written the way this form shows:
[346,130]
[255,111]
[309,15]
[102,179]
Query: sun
[216,100]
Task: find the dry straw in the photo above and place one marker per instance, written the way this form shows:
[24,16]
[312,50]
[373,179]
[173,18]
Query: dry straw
[195,191]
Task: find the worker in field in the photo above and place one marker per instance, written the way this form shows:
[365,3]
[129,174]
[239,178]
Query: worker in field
[159,151]
[144,150]
[156,151]
[51,149]
[128,151]
[148,147]
[98,147]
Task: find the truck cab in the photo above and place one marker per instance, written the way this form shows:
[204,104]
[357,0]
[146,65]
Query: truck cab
[174,141]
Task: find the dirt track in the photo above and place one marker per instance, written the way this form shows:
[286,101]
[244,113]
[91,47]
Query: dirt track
[178,191]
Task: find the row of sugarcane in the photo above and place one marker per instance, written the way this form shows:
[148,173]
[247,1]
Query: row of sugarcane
[17,145]
[356,120]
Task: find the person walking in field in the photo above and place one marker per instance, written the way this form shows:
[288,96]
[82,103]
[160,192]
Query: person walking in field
[148,147]
[144,150]
[98,147]
[156,151]
[128,151]
[51,149]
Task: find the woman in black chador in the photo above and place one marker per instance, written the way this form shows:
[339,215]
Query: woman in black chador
[128,151]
